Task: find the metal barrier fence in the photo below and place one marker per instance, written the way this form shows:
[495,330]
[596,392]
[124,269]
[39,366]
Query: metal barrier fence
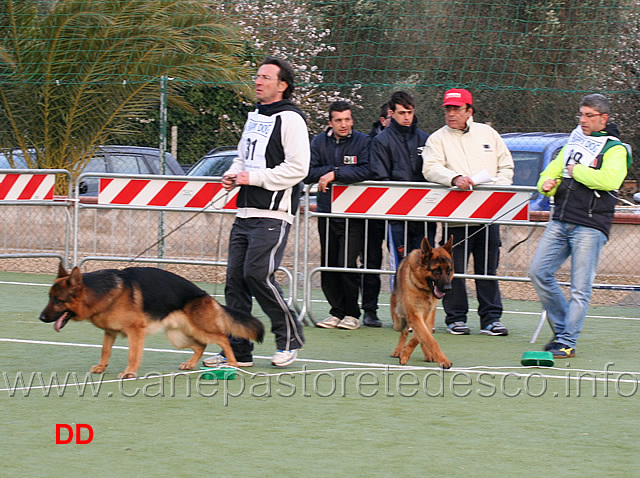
[520,233]
[422,203]
[182,221]
[34,222]
[159,220]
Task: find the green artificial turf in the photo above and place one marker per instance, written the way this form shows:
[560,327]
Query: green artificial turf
[343,409]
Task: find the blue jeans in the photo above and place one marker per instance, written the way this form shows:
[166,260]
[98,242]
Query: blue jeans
[405,236]
[583,244]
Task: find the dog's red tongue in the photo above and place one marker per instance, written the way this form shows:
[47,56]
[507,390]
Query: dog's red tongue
[437,292]
[62,320]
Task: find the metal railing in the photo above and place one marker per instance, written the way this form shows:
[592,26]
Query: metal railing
[78,231]
[29,223]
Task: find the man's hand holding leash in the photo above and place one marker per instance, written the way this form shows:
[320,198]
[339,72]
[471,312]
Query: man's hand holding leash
[549,184]
[230,181]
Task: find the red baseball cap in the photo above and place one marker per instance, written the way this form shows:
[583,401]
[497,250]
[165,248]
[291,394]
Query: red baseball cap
[457,97]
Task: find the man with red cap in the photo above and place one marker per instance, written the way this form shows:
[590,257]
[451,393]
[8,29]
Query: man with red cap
[452,156]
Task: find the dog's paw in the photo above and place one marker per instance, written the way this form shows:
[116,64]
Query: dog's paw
[429,358]
[98,368]
[186,366]
[395,353]
[445,364]
[128,375]
[403,358]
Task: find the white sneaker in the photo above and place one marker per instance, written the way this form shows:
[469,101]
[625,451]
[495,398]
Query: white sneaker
[282,358]
[349,323]
[219,359]
[329,323]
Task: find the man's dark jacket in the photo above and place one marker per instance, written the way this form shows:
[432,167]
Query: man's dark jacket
[396,153]
[348,158]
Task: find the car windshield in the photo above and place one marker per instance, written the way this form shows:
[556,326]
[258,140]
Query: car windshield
[527,167]
[213,165]
[97,164]
[18,161]
[128,164]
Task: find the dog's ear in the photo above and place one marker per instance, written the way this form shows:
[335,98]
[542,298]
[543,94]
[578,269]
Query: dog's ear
[62,272]
[425,248]
[75,279]
[449,245]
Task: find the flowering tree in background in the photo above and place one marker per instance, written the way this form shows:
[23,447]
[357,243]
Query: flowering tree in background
[279,28]
[286,29]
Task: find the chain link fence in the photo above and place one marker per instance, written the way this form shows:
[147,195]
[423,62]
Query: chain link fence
[37,235]
[75,74]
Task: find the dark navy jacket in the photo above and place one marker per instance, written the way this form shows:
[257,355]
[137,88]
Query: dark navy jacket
[348,158]
[396,153]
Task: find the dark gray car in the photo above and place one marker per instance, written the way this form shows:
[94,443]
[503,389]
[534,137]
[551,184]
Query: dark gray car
[215,163]
[111,159]
[126,160]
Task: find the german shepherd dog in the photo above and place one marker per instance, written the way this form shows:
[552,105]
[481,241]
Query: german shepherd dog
[141,300]
[422,278]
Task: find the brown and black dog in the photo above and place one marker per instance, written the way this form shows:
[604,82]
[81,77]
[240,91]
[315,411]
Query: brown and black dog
[422,278]
[137,301]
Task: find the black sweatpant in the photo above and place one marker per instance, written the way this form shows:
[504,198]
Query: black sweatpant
[256,247]
[371,258]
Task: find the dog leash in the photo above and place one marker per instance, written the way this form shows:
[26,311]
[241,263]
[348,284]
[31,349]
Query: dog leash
[211,203]
[486,226]
[531,232]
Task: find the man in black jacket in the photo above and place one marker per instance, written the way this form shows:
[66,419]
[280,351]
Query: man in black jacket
[396,155]
[340,154]
[382,122]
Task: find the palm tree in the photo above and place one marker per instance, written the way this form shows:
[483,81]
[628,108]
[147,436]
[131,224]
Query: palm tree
[74,73]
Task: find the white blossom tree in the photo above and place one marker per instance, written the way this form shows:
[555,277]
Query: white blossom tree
[286,29]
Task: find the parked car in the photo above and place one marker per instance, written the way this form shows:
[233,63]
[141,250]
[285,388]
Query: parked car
[18,161]
[111,159]
[126,160]
[532,152]
[215,162]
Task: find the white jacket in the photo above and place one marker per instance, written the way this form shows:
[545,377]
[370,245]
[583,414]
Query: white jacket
[452,152]
[274,149]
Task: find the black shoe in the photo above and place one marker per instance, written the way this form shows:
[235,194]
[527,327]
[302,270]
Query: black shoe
[370,319]
[550,345]
[561,350]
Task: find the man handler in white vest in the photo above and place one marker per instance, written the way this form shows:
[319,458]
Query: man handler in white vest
[583,179]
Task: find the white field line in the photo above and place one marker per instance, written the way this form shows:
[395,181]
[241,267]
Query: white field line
[610,375]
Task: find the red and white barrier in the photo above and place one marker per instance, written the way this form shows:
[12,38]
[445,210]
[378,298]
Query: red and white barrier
[426,202]
[27,187]
[165,193]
